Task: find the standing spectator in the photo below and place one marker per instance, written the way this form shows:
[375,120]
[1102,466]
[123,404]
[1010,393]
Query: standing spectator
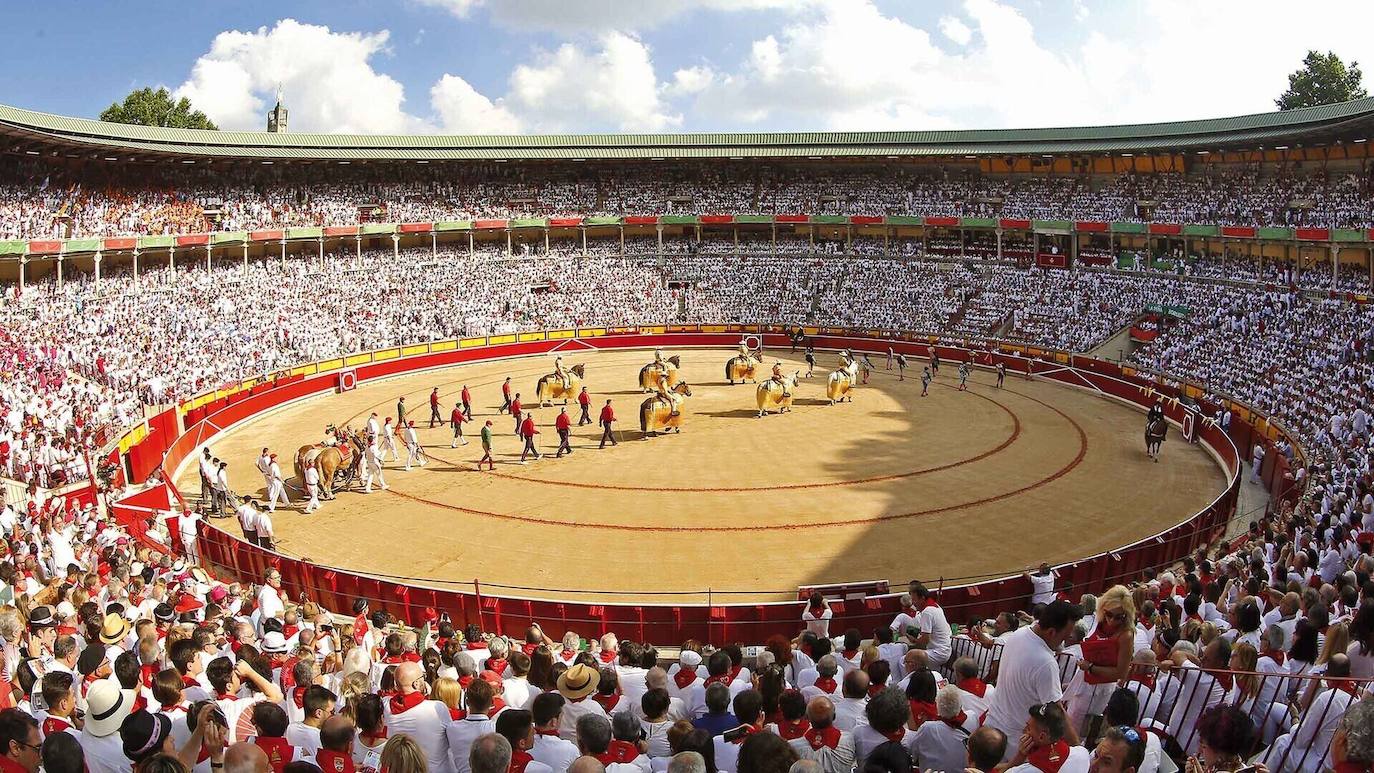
[1029,674]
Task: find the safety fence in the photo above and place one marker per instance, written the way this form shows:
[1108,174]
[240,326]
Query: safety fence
[168,440]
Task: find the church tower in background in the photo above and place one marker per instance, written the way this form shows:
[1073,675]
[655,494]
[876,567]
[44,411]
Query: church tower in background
[276,120]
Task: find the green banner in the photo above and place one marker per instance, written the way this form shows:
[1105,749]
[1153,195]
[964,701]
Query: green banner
[906,220]
[1201,230]
[978,222]
[454,225]
[1275,233]
[1162,265]
[529,222]
[228,237]
[81,245]
[1182,312]
[375,229]
[754,219]
[155,242]
[830,219]
[1052,225]
[1348,235]
[1154,308]
[1128,228]
[613,220]
[13,247]
[306,232]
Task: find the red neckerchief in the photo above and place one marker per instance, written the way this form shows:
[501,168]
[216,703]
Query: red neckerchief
[567,656]
[496,706]
[518,761]
[189,681]
[619,752]
[279,752]
[1145,679]
[496,664]
[440,642]
[54,725]
[819,738]
[607,702]
[530,647]
[475,645]
[403,703]
[378,736]
[465,682]
[67,630]
[1277,656]
[224,696]
[684,677]
[166,707]
[359,630]
[457,715]
[405,657]
[290,631]
[146,674]
[140,703]
[1345,685]
[874,689]
[957,721]
[1224,678]
[930,603]
[717,679]
[1146,623]
[789,730]
[848,654]
[922,711]
[288,676]
[1165,589]
[548,733]
[734,672]
[334,762]
[1049,758]
[607,657]
[825,684]
[298,696]
[973,685]
[896,735]
[744,732]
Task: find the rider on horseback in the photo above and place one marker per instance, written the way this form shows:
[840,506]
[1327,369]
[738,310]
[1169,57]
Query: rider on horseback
[331,436]
[1156,413]
[666,395]
[562,373]
[777,376]
[659,362]
[744,347]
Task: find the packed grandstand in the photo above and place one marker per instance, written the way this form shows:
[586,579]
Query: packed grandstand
[147,268]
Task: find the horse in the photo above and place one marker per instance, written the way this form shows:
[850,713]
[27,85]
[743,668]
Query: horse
[842,381]
[338,463]
[663,412]
[742,367]
[652,374]
[550,387]
[769,394]
[1155,433]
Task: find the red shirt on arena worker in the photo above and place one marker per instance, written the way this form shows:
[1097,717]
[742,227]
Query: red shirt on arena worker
[584,399]
[515,406]
[564,421]
[527,428]
[607,414]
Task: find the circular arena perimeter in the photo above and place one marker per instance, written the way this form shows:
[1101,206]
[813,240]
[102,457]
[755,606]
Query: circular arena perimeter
[955,486]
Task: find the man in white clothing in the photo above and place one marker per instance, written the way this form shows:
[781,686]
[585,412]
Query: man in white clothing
[312,485]
[372,468]
[935,637]
[269,599]
[423,720]
[414,454]
[942,745]
[853,699]
[1029,673]
[824,742]
[277,489]
[577,685]
[464,732]
[549,748]
[264,465]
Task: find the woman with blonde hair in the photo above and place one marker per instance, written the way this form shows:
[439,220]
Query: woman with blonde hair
[450,693]
[1106,660]
[402,755]
[1247,693]
[351,689]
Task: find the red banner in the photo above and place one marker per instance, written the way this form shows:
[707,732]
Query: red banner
[715,219]
[1313,234]
[266,236]
[565,222]
[121,243]
[1238,231]
[490,224]
[341,230]
[1144,335]
[942,222]
[45,247]
[1014,224]
[865,220]
[1090,226]
[193,240]
[1166,229]
[415,228]
[793,218]
[1049,260]
[643,220]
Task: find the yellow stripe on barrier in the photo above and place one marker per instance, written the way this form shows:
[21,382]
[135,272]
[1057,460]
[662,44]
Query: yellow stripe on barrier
[653,329]
[416,349]
[1061,357]
[560,335]
[336,363]
[811,330]
[1192,391]
[591,332]
[386,354]
[508,338]
[531,337]
[713,329]
[443,346]
[470,343]
[356,359]
[304,370]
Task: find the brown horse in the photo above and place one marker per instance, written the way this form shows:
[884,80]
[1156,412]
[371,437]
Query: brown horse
[550,387]
[650,375]
[742,367]
[663,412]
[335,462]
[1155,433]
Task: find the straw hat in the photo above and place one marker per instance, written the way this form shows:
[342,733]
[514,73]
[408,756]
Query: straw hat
[113,629]
[578,682]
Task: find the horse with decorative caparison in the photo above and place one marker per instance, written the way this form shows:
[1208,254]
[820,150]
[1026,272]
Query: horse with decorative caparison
[553,386]
[337,461]
[774,395]
[743,367]
[665,372]
[843,380]
[663,412]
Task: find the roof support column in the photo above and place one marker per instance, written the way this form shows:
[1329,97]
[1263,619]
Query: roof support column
[172,260]
[208,250]
[245,258]
[622,241]
[433,244]
[472,247]
[1335,258]
[961,244]
[357,255]
[999,243]
[135,269]
[887,242]
[396,247]
[319,243]
[659,229]
[23,261]
[98,258]
[509,251]
[583,229]
[60,258]
[774,249]
[546,240]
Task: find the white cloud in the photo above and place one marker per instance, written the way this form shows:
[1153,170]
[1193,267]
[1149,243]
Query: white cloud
[328,79]
[574,89]
[462,110]
[691,80]
[601,14]
[955,30]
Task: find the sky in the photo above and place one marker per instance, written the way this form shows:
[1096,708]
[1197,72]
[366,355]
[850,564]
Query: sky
[557,66]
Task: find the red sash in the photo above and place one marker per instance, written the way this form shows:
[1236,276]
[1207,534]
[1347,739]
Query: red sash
[496,664]
[518,761]
[922,711]
[789,730]
[619,752]
[684,677]
[825,684]
[53,725]
[1049,758]
[334,762]
[279,752]
[828,737]
[717,679]
[607,701]
[974,685]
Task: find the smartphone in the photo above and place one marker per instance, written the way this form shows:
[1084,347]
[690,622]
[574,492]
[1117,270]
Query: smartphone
[736,734]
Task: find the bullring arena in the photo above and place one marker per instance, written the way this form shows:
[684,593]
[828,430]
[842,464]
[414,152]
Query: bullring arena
[823,495]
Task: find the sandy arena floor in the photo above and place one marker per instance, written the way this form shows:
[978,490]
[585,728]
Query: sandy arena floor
[892,486]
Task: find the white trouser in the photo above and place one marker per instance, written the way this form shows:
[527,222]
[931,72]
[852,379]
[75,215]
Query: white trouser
[371,471]
[276,490]
[415,455]
[314,503]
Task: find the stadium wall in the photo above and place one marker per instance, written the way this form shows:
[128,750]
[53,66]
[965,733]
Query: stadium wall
[170,439]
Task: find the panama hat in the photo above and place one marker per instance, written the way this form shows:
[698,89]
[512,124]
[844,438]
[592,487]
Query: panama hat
[143,734]
[106,708]
[578,682]
[274,643]
[113,629]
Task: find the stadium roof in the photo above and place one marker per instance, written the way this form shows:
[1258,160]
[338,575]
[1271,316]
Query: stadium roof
[29,131]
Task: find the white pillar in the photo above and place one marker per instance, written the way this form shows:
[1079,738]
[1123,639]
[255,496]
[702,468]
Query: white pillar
[622,241]
[472,245]
[319,243]
[135,269]
[509,250]
[999,244]
[1335,258]
[546,240]
[59,270]
[584,239]
[659,228]
[358,254]
[23,261]
[98,258]
[433,244]
[172,259]
[396,246]
[208,251]
[245,258]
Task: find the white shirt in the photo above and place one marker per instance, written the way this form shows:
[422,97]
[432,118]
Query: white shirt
[933,622]
[939,747]
[818,624]
[1028,675]
[1042,589]
[553,751]
[1078,762]
[304,737]
[572,710]
[248,517]
[462,735]
[427,724]
[312,476]
[849,712]
[104,755]
[269,604]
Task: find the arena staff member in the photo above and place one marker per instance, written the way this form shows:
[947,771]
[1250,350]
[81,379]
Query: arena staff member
[1029,673]
[584,401]
[607,418]
[563,423]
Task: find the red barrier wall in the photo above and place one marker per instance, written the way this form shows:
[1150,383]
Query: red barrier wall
[664,623]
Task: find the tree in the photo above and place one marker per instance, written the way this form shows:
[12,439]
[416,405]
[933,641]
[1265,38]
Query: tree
[146,107]
[1323,80]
